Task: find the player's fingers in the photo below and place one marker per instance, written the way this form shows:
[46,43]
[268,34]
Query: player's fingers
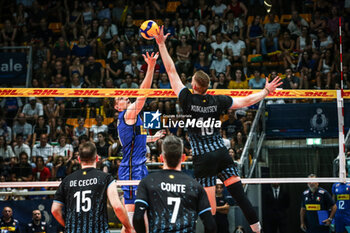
[152,54]
[156,56]
[168,34]
[144,57]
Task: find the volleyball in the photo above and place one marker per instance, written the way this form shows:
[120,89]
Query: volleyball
[148,29]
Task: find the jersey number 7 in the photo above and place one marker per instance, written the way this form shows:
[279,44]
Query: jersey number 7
[177,201]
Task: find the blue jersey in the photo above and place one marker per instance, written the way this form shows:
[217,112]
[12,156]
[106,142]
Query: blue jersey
[133,139]
[342,196]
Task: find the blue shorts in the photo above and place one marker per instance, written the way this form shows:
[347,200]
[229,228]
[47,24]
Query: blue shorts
[137,173]
[341,221]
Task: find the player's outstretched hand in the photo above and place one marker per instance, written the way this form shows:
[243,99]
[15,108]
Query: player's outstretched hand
[160,37]
[151,60]
[160,134]
[271,87]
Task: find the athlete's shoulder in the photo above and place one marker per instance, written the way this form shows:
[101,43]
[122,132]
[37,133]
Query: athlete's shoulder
[306,192]
[322,190]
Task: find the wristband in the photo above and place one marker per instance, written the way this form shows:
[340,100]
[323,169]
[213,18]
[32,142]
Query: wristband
[268,92]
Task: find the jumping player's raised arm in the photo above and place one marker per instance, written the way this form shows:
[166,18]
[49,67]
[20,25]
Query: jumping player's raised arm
[119,209]
[254,98]
[174,78]
[135,108]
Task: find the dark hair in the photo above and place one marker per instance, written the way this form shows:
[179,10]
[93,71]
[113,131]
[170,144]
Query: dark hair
[87,152]
[23,153]
[103,134]
[83,137]
[172,149]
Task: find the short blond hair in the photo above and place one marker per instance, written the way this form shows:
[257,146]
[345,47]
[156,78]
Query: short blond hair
[203,81]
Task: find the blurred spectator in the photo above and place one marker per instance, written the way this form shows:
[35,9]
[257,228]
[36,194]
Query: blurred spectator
[21,146]
[76,81]
[9,34]
[76,68]
[323,41]
[237,8]
[222,209]
[87,13]
[257,82]
[108,32]
[317,23]
[118,11]
[239,81]
[271,35]
[197,28]
[63,148]
[40,128]
[12,107]
[220,65]
[290,81]
[22,170]
[326,71]
[287,45]
[102,150]
[239,229]
[52,111]
[73,17]
[4,197]
[5,131]
[238,143]
[254,34]
[41,172]
[248,122]
[73,165]
[61,128]
[99,127]
[113,129]
[333,22]
[130,31]
[236,50]
[61,51]
[43,149]
[221,84]
[134,67]
[231,126]
[183,53]
[80,129]
[203,11]
[59,167]
[93,71]
[5,149]
[202,63]
[128,82]
[43,32]
[61,69]
[307,66]
[102,12]
[304,41]
[201,45]
[218,8]
[7,222]
[82,50]
[114,68]
[182,29]
[296,24]
[215,28]
[184,10]
[33,110]
[36,225]
[219,43]
[20,16]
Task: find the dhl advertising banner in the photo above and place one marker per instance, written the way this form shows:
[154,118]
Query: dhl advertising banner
[161,93]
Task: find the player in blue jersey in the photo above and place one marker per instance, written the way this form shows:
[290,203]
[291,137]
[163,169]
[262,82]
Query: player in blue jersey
[133,137]
[341,194]
[211,159]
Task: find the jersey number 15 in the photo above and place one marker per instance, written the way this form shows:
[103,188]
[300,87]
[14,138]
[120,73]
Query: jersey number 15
[83,201]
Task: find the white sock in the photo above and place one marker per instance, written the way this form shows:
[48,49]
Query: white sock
[256,227]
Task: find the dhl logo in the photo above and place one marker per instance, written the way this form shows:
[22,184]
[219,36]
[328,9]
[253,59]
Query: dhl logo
[313,207]
[9,92]
[46,92]
[343,197]
[86,93]
[317,94]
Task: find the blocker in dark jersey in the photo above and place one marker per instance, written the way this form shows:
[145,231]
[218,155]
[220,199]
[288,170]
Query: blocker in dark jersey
[211,159]
[84,196]
[173,201]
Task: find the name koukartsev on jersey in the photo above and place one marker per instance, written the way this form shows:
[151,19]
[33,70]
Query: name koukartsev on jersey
[203,108]
[84,196]
[173,199]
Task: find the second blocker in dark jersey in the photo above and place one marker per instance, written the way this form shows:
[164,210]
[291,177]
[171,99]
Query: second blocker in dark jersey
[173,199]
[84,196]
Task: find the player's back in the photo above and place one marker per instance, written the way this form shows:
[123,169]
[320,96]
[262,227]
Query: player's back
[342,195]
[84,195]
[206,108]
[174,201]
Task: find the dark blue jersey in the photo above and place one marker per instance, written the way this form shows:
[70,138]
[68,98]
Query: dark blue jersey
[341,192]
[133,139]
[204,123]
